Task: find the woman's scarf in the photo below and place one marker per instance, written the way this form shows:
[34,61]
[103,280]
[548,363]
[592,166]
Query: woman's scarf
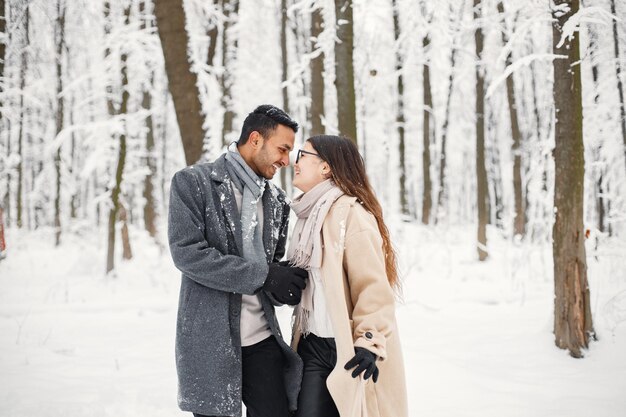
[305,249]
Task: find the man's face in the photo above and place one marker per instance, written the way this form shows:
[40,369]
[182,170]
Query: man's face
[273,153]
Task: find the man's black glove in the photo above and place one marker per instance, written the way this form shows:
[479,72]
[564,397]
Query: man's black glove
[364,360]
[286,283]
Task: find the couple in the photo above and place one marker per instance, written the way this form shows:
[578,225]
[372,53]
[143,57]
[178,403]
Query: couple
[227,235]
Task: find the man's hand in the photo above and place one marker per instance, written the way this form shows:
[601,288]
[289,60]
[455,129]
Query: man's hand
[364,360]
[286,283]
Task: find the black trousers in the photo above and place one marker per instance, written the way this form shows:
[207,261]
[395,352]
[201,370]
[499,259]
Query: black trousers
[263,388]
[319,355]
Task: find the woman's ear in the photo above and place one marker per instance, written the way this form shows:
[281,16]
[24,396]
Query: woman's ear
[326,172]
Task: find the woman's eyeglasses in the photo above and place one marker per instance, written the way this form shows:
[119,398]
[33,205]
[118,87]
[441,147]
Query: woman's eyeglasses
[301,151]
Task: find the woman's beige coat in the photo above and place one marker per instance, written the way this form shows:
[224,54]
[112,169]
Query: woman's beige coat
[361,307]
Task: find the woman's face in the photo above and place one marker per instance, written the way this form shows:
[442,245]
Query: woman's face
[310,170]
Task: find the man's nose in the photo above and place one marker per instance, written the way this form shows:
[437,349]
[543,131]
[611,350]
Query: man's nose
[285,160]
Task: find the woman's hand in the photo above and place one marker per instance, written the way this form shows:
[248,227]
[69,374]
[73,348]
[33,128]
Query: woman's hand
[364,360]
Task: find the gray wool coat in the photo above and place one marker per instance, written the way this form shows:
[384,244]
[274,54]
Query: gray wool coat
[206,246]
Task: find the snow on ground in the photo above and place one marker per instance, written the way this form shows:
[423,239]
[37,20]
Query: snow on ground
[477,336]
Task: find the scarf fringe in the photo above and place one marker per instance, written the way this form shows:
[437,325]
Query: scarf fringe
[301,320]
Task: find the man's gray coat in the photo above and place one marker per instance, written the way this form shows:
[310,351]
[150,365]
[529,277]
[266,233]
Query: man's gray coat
[206,246]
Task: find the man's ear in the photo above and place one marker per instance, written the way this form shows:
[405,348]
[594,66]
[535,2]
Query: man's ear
[255,139]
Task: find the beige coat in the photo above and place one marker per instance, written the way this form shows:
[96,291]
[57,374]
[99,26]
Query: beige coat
[359,302]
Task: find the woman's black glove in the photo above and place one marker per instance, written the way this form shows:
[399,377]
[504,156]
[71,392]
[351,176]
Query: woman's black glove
[286,283]
[364,360]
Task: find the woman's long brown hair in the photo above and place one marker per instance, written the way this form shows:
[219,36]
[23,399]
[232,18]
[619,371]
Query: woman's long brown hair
[348,172]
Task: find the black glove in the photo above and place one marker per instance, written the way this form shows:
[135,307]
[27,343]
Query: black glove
[364,360]
[286,283]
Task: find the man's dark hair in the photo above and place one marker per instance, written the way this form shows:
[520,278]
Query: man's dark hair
[264,119]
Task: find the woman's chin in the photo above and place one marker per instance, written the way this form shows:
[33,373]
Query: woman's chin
[297,185]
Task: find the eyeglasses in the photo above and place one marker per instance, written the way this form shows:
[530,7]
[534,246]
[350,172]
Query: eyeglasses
[301,151]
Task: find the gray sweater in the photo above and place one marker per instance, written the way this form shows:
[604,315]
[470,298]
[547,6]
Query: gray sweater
[205,242]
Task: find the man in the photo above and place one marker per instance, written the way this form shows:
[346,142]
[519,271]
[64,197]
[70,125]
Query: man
[226,224]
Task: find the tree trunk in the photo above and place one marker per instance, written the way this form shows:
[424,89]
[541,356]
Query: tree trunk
[495,205]
[149,208]
[285,183]
[163,154]
[73,169]
[170,17]
[316,110]
[428,135]
[598,169]
[20,138]
[3,29]
[441,195]
[404,205]
[6,124]
[127,252]
[230,8]
[3,242]
[212,35]
[482,193]
[519,223]
[60,42]
[344,70]
[111,107]
[3,44]
[618,73]
[572,313]
[121,161]
[284,54]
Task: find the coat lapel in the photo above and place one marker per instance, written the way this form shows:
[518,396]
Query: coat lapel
[224,188]
[272,215]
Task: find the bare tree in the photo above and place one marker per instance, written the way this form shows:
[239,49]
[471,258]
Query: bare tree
[3,243]
[344,70]
[3,29]
[316,110]
[230,8]
[149,209]
[285,183]
[60,113]
[170,17]
[572,311]
[482,191]
[441,195]
[495,203]
[519,222]
[20,137]
[4,123]
[400,120]
[116,205]
[598,169]
[212,34]
[618,73]
[127,252]
[428,128]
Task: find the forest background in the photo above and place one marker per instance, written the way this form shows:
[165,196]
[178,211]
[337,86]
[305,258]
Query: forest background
[494,133]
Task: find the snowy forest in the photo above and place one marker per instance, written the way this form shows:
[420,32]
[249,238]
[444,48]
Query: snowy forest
[493,131]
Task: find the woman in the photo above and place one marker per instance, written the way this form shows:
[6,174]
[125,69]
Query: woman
[345,328]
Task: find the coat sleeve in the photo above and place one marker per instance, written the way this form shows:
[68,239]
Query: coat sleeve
[372,298]
[190,250]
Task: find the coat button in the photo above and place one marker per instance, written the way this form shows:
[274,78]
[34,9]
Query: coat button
[369,335]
